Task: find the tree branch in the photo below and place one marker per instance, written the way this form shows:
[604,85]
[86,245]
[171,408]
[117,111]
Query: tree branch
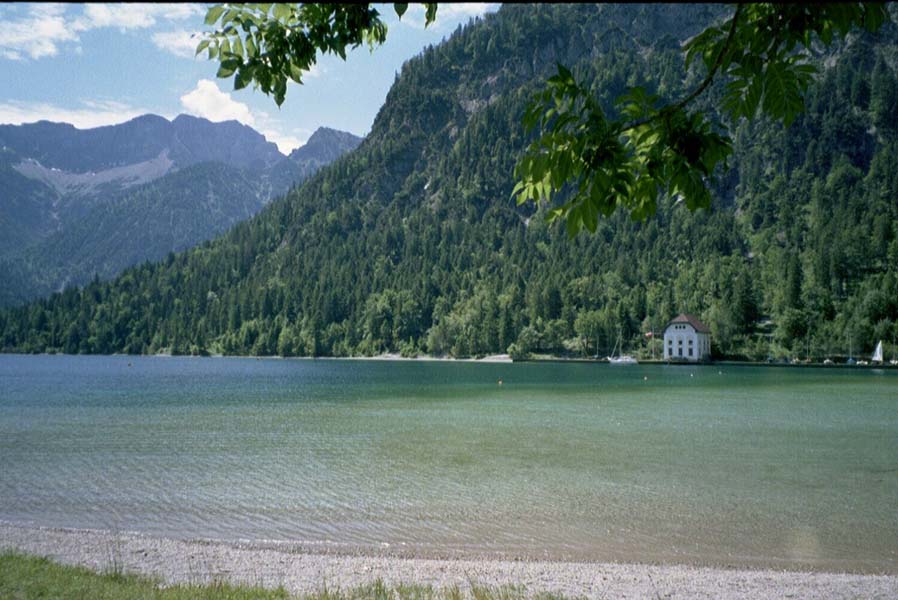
[697,91]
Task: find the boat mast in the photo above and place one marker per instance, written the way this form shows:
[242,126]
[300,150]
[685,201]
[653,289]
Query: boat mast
[653,342]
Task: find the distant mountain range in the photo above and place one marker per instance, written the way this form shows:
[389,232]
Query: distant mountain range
[78,203]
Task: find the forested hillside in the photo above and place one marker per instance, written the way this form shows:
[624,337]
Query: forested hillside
[412,243]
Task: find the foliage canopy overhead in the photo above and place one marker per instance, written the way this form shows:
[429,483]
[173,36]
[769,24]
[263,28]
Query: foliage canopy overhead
[269,44]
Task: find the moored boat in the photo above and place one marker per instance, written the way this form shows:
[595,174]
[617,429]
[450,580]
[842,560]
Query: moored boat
[877,354]
[620,359]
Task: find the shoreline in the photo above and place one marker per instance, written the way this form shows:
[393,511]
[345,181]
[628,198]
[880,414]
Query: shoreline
[496,359]
[304,571]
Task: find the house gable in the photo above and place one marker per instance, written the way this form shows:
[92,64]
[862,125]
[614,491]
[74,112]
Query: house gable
[686,338]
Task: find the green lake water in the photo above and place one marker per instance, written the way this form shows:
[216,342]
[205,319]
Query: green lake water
[792,468]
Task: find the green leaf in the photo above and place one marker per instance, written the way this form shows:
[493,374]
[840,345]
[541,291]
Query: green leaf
[230,15]
[282,11]
[572,224]
[782,92]
[430,13]
[244,77]
[400,9]
[237,46]
[295,73]
[213,13]
[564,73]
[590,218]
[202,46]
[280,90]
[227,67]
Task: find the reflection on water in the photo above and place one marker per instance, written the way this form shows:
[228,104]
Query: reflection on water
[689,464]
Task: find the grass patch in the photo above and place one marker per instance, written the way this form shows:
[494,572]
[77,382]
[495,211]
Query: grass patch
[24,577]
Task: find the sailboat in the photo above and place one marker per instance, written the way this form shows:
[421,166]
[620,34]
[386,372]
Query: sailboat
[620,359]
[877,354]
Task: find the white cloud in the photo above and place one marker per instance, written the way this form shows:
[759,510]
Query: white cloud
[134,16]
[286,143]
[208,101]
[45,27]
[448,15]
[273,130]
[37,35]
[466,9]
[180,42]
[93,113]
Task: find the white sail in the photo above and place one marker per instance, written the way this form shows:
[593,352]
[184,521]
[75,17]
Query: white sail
[620,359]
[877,354]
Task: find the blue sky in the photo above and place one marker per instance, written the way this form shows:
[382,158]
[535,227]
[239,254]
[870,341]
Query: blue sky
[100,64]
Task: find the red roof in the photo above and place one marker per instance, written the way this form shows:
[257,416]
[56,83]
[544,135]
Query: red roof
[691,320]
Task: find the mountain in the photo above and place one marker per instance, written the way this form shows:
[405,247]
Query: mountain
[185,141]
[27,208]
[324,147]
[412,243]
[91,202]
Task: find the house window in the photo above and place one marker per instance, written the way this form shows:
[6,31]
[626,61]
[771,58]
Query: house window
[690,352]
[690,342]
[681,352]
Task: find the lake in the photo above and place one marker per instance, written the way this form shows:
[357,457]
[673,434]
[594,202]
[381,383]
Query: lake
[792,468]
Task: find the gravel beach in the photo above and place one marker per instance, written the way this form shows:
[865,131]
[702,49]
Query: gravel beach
[176,561]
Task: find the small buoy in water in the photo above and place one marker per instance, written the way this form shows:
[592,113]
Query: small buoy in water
[500,382]
[646,378]
[720,372]
[692,374]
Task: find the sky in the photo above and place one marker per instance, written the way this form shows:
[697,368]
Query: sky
[101,64]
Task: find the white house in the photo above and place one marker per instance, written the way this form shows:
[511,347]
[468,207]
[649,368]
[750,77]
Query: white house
[687,339]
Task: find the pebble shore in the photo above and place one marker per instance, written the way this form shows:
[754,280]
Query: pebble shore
[176,561]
